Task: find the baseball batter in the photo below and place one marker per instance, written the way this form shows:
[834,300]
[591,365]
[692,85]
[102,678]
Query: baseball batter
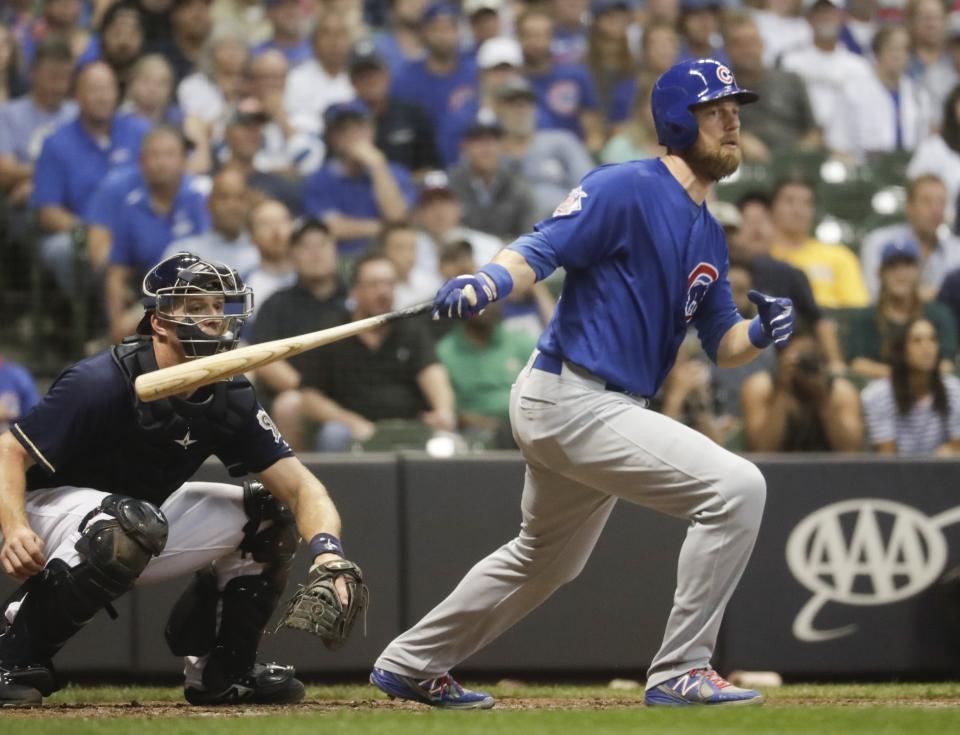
[644,260]
[94,498]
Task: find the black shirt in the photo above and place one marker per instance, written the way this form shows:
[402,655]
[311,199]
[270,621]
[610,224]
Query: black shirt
[382,383]
[405,135]
[776,278]
[88,432]
[295,310]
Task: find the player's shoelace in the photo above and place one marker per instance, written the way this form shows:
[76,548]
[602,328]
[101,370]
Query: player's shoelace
[714,678]
[439,687]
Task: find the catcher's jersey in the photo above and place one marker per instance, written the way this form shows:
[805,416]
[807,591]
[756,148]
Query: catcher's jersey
[91,431]
[643,262]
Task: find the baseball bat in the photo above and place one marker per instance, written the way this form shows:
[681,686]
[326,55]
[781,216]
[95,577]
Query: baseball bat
[192,374]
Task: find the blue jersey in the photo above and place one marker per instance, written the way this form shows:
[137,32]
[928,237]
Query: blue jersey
[643,262]
[18,394]
[90,430]
[438,95]
[563,92]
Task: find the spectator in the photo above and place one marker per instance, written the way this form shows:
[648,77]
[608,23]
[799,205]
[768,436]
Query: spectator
[661,48]
[399,243]
[285,150]
[12,83]
[571,33]
[270,230]
[483,360]
[917,409]
[608,56]
[227,240]
[388,373]
[164,207]
[551,162]
[72,163]
[495,198]
[566,92]
[860,26]
[286,23]
[927,22]
[782,31]
[156,20]
[18,394]
[939,154]
[662,11]
[801,407]
[120,41]
[248,18]
[939,79]
[891,112]
[700,31]
[322,80]
[782,119]
[357,190]
[484,18]
[445,80]
[26,121]
[150,91]
[833,270]
[638,136]
[403,130]
[939,251]
[899,301]
[499,61]
[218,82]
[58,19]
[243,141]
[190,27]
[401,41]
[314,302]
[687,395]
[833,74]
[439,215]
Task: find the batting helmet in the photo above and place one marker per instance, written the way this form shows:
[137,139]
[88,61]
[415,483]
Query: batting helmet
[684,85]
[203,327]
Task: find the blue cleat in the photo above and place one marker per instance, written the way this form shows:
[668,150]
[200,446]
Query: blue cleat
[443,691]
[699,686]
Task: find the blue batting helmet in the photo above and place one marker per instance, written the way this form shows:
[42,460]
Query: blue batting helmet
[684,85]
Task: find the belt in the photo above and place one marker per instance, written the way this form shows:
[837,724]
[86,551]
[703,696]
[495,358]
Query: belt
[554,365]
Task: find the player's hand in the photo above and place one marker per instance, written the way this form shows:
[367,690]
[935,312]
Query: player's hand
[774,321]
[22,554]
[340,582]
[463,297]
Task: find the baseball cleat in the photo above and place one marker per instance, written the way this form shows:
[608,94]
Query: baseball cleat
[16,694]
[263,684]
[443,692]
[699,686]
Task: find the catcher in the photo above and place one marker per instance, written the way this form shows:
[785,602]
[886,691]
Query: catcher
[94,498]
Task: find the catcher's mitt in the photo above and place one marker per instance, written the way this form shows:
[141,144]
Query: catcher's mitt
[316,607]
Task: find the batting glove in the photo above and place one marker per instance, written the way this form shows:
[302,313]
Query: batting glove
[453,299]
[774,321]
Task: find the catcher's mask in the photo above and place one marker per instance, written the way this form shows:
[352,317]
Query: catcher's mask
[206,300]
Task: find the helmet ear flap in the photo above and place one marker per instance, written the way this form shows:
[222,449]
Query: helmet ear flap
[676,126]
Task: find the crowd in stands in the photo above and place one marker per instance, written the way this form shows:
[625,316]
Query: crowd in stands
[347,156]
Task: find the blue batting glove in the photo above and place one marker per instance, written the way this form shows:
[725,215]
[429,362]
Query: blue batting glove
[774,321]
[452,301]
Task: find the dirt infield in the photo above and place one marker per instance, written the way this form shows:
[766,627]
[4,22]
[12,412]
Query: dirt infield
[150,710]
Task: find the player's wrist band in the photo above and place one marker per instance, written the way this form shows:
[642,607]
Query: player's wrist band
[325,543]
[501,279]
[758,335]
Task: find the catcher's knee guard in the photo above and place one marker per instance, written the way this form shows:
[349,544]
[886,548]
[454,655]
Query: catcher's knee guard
[56,603]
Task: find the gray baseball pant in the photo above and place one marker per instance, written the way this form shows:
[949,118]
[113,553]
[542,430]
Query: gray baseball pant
[586,447]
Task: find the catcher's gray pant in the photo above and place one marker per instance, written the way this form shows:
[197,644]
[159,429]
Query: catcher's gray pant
[586,447]
[206,522]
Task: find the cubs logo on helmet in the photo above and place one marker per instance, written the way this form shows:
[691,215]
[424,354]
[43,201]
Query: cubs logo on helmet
[724,74]
[698,282]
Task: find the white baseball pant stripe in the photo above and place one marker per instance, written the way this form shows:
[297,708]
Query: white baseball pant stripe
[585,448]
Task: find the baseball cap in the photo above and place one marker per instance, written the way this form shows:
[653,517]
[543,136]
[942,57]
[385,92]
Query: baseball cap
[809,5]
[365,57]
[898,251]
[472,7]
[499,51]
[436,185]
[485,123]
[691,6]
[515,88]
[248,111]
[437,10]
[340,111]
[726,214]
[275,3]
[599,7]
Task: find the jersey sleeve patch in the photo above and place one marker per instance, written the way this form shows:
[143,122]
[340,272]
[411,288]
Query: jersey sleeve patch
[572,204]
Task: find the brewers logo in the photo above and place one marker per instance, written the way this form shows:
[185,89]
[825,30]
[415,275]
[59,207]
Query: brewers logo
[698,282]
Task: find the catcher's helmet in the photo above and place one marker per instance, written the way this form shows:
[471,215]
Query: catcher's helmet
[203,327]
[684,85]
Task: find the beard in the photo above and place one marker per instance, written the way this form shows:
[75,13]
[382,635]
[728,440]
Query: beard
[711,165]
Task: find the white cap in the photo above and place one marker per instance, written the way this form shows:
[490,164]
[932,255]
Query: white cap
[499,50]
[475,6]
[839,4]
